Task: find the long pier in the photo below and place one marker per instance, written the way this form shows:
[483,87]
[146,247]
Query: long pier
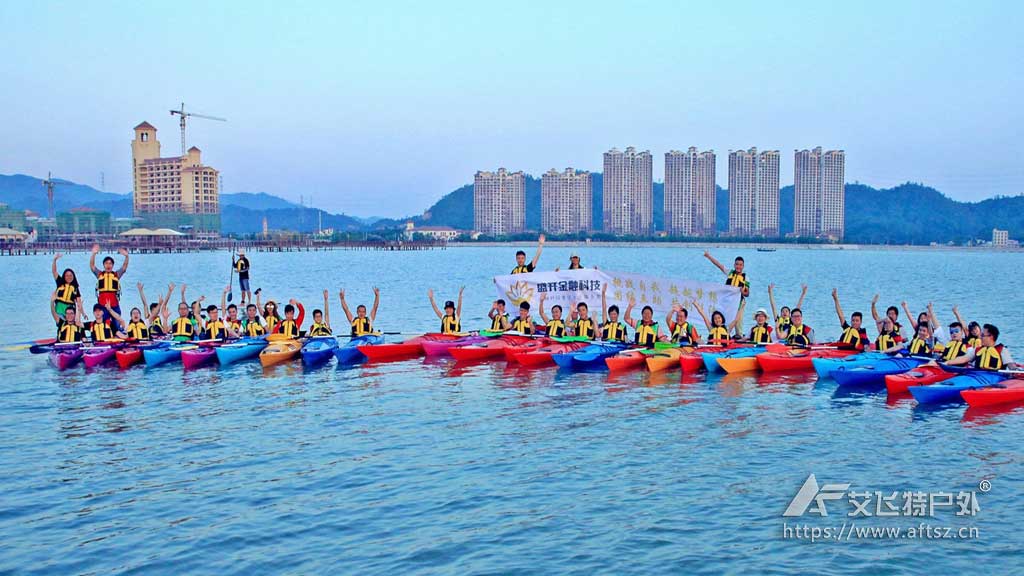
[189,246]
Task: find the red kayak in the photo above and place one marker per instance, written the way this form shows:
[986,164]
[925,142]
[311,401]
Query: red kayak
[694,361]
[920,376]
[98,355]
[494,348]
[626,360]
[398,351]
[797,359]
[543,355]
[128,357]
[529,346]
[198,357]
[1005,392]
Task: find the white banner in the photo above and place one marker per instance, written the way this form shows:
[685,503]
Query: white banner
[570,287]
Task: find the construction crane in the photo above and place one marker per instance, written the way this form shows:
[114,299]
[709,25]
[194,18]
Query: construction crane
[49,183]
[185,115]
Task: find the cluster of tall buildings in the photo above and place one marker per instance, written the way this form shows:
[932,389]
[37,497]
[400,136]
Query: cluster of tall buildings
[689,195]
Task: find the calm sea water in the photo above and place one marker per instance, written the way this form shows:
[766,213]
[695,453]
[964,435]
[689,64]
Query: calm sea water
[429,467]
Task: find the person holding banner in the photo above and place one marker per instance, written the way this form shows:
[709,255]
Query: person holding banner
[718,332]
[612,330]
[646,330]
[554,326]
[521,266]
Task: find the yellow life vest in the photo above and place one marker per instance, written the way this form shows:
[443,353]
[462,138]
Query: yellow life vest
[973,341]
[319,329]
[989,357]
[613,332]
[289,328]
[68,332]
[101,332]
[585,328]
[737,279]
[646,334]
[761,334]
[450,324]
[798,335]
[496,323]
[66,293]
[524,326]
[215,330]
[853,338]
[555,328]
[520,270]
[361,326]
[954,349]
[183,327]
[683,333]
[885,340]
[718,333]
[254,329]
[272,322]
[137,330]
[156,327]
[782,325]
[108,282]
[919,347]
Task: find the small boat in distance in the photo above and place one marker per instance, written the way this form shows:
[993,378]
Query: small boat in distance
[761,249]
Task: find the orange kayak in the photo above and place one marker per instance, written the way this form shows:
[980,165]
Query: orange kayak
[733,365]
[280,351]
[626,360]
[797,359]
[920,376]
[665,359]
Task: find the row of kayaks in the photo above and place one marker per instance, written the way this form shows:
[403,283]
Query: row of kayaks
[269,351]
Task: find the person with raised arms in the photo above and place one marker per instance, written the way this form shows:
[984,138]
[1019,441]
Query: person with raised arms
[498,316]
[321,325]
[361,322]
[718,332]
[214,328]
[679,327]
[451,322]
[645,330]
[103,327]
[156,313]
[554,327]
[271,316]
[735,277]
[523,323]
[108,280]
[183,328]
[956,346]
[782,316]
[854,335]
[922,318]
[972,336]
[892,313]
[69,324]
[521,266]
[136,327]
[582,323]
[612,330]
[291,326]
[991,355]
[68,291]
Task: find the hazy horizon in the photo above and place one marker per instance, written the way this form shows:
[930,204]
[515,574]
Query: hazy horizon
[379,111]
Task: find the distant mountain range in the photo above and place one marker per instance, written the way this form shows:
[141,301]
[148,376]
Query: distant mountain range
[907,214]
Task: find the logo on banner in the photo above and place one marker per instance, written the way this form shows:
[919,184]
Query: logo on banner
[519,292]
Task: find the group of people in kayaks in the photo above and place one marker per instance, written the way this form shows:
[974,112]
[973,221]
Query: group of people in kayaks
[958,344]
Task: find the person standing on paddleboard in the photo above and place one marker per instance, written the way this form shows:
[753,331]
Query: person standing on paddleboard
[241,265]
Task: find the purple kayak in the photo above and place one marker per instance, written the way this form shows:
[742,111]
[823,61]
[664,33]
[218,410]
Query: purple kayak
[441,347]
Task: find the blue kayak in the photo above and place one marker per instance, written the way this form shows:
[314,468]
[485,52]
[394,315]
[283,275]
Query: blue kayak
[349,354]
[165,354]
[591,356]
[823,366]
[949,390]
[244,349]
[711,358]
[873,374]
[318,350]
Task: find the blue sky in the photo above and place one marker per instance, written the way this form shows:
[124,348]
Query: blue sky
[380,109]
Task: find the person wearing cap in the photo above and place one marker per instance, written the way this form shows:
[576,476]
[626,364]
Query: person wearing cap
[574,263]
[761,331]
[242,267]
[450,323]
[521,266]
[854,336]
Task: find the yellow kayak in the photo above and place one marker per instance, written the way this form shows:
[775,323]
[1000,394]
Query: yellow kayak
[732,365]
[665,358]
[280,351]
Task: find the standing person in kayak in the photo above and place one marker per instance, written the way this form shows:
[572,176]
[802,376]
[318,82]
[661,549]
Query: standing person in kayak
[582,324]
[854,336]
[321,321]
[990,355]
[69,324]
[498,316]
[451,318]
[892,313]
[612,330]
[68,291]
[782,316]
[291,327]
[682,332]
[108,281]
[799,333]
[645,331]
[523,324]
[718,333]
[362,324]
[241,265]
[554,327]
[737,277]
[521,266]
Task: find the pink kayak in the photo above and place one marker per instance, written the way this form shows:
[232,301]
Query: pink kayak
[65,358]
[441,347]
[98,355]
[198,357]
